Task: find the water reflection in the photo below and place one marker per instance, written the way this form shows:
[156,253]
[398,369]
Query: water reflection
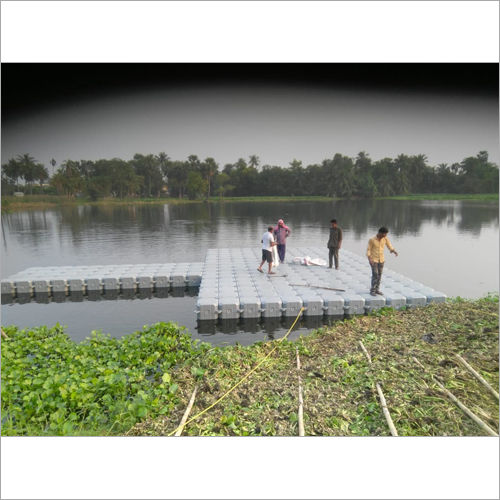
[183,232]
[274,327]
[422,231]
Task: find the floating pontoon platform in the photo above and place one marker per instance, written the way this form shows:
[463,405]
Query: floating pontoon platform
[230,287]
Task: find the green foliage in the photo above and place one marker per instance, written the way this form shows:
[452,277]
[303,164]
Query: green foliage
[147,167]
[53,386]
[196,186]
[140,384]
[152,175]
[24,167]
[383,311]
[68,179]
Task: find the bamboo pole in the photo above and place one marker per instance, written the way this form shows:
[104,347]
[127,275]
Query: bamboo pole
[366,352]
[179,430]
[4,335]
[477,375]
[387,415]
[464,408]
[383,402]
[301,400]
[322,287]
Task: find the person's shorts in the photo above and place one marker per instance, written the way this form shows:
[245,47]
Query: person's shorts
[267,256]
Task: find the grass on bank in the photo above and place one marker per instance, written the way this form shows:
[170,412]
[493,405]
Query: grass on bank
[140,384]
[445,196]
[11,203]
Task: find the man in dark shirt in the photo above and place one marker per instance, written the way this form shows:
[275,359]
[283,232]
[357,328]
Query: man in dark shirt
[334,243]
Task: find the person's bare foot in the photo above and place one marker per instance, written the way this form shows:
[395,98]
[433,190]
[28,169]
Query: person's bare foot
[272,272]
[260,270]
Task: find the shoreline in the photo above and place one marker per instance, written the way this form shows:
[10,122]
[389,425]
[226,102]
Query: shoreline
[150,375]
[34,202]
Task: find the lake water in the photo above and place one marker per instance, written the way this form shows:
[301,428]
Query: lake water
[451,246]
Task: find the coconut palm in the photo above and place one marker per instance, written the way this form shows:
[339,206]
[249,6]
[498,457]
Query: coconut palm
[53,163]
[253,161]
[28,169]
[209,167]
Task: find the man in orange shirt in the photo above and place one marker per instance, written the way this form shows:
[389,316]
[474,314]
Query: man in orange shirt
[375,254]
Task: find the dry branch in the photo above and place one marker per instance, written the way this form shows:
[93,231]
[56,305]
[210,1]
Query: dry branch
[301,401]
[464,408]
[383,403]
[366,352]
[322,287]
[477,375]
[4,335]
[179,430]
[387,415]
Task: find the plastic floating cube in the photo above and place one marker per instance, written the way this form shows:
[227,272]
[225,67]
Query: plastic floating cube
[229,308]
[93,284]
[207,308]
[8,287]
[291,305]
[250,307]
[353,303]
[145,282]
[110,284]
[271,307]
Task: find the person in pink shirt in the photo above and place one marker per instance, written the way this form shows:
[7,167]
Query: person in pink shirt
[281,233]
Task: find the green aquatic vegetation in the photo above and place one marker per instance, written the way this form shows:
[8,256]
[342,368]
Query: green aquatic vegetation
[141,384]
[53,386]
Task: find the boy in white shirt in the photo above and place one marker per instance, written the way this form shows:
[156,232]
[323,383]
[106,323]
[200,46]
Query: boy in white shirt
[267,246]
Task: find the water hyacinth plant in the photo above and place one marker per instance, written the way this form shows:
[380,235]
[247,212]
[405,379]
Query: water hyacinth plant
[141,383]
[54,386]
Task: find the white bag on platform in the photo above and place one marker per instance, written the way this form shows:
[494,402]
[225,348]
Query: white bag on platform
[276,260]
[307,261]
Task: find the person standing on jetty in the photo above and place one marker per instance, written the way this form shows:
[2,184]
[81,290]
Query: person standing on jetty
[375,254]
[267,246]
[282,232]
[334,243]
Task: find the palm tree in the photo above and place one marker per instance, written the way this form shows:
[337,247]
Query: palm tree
[12,171]
[194,161]
[402,179]
[209,167]
[53,163]
[163,159]
[241,164]
[85,167]
[417,168]
[41,173]
[148,167]
[68,178]
[253,161]
[27,166]
[295,163]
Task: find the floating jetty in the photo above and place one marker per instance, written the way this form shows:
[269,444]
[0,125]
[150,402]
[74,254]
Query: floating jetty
[230,287]
[102,279]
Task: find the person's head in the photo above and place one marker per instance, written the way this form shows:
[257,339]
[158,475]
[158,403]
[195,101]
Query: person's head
[281,222]
[382,232]
[333,222]
[270,229]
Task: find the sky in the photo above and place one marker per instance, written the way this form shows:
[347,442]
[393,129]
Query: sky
[278,112]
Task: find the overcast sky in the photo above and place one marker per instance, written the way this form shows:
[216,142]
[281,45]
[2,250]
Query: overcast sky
[275,120]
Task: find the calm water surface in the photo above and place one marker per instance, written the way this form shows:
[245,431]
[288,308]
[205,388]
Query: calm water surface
[451,246]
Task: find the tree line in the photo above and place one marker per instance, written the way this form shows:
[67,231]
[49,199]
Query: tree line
[338,177]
